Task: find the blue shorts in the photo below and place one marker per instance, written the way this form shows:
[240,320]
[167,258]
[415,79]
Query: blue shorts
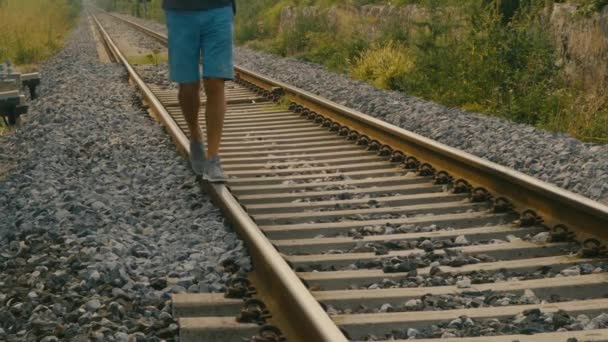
[193,34]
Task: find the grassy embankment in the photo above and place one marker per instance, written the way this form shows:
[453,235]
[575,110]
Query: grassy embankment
[471,54]
[467,54]
[32,30]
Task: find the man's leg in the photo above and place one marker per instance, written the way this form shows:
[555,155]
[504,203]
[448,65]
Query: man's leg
[184,55]
[190,102]
[214,114]
[216,43]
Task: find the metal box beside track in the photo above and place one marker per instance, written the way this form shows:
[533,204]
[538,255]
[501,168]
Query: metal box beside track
[12,101]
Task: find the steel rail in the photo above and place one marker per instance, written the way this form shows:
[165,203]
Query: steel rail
[305,319]
[554,204]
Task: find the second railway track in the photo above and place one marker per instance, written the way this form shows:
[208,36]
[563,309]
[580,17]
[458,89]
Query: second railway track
[359,230]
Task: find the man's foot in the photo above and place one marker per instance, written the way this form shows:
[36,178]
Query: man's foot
[197,157]
[213,171]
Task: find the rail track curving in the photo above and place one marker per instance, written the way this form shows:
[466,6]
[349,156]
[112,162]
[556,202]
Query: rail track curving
[354,225]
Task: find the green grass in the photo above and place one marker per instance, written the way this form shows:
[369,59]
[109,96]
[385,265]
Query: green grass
[32,30]
[148,59]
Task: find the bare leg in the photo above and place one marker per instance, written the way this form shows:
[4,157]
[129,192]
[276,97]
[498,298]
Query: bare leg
[214,114]
[190,102]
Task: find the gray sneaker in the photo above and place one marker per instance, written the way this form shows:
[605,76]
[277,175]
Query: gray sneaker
[213,171]
[197,157]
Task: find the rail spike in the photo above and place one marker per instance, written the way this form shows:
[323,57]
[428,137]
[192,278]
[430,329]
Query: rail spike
[344,131]
[443,177]
[253,311]
[502,205]
[239,288]
[426,170]
[461,186]
[307,113]
[592,248]
[411,163]
[353,136]
[363,140]
[561,233]
[374,145]
[479,195]
[529,218]
[386,151]
[278,91]
[397,156]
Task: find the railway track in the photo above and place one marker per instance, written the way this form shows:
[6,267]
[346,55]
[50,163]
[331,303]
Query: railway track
[359,230]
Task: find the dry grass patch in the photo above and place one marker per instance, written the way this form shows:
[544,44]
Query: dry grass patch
[32,30]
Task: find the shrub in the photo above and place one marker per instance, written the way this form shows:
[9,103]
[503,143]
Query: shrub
[322,47]
[299,38]
[383,66]
[258,20]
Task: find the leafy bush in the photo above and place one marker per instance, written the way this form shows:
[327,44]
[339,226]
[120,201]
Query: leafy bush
[588,7]
[258,20]
[383,66]
[495,67]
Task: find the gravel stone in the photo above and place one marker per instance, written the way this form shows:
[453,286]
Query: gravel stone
[598,322]
[411,332]
[571,271]
[461,240]
[464,283]
[386,308]
[121,337]
[93,305]
[529,297]
[412,303]
[542,237]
